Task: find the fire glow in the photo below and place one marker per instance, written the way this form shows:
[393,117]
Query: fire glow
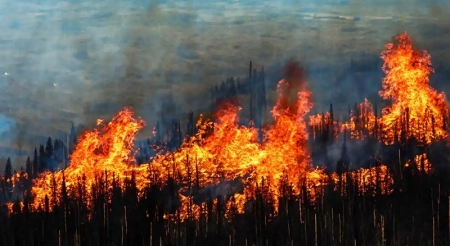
[224,152]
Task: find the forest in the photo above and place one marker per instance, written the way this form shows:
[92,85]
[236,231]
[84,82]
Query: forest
[377,176]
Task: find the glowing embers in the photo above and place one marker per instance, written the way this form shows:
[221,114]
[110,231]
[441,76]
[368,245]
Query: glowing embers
[420,163]
[376,180]
[362,123]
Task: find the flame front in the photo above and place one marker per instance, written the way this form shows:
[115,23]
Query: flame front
[99,153]
[228,162]
[417,110]
[219,152]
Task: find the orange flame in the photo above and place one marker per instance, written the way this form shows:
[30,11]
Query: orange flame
[367,180]
[220,151]
[98,153]
[226,162]
[417,110]
[362,122]
[422,163]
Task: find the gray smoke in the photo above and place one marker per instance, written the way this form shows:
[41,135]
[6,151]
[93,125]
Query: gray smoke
[360,153]
[224,189]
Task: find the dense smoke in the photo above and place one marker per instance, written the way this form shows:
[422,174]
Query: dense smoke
[294,75]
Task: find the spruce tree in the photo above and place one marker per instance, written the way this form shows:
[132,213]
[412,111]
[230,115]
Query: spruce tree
[8,178]
[191,125]
[49,147]
[8,170]
[42,159]
[72,139]
[35,163]
[57,150]
[29,167]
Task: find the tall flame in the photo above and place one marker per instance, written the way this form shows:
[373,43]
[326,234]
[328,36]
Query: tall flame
[417,109]
[98,153]
[219,152]
[227,161]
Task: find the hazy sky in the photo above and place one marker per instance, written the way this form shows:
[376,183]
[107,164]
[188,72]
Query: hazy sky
[63,61]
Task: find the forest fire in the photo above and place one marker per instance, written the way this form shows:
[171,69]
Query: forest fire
[421,162]
[228,164]
[416,106]
[366,180]
[417,110]
[99,153]
[217,153]
[362,123]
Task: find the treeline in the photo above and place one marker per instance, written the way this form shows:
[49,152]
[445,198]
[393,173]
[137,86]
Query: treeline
[170,133]
[55,155]
[49,157]
[415,212]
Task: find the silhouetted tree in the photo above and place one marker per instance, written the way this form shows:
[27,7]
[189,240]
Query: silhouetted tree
[8,169]
[29,167]
[49,148]
[42,159]
[190,125]
[8,177]
[35,163]
[72,141]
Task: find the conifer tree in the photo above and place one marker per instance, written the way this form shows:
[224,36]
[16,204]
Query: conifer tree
[35,163]
[57,150]
[49,147]
[233,89]
[191,125]
[42,159]
[8,169]
[29,167]
[8,177]
[72,139]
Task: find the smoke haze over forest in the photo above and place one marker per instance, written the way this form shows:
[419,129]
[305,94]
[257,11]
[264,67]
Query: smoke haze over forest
[82,60]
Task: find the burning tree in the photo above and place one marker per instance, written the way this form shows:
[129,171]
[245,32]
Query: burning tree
[417,110]
[243,184]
